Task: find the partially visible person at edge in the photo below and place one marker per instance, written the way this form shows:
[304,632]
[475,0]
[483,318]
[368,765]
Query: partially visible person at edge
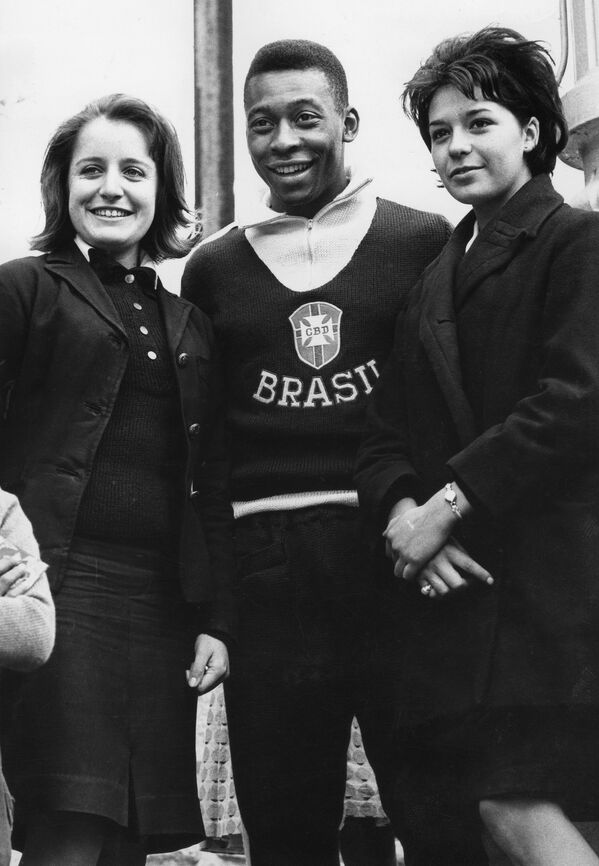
[482,468]
[26,619]
[303,292]
[112,436]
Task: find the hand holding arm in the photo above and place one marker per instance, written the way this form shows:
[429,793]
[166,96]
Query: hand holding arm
[415,534]
[26,626]
[13,574]
[396,512]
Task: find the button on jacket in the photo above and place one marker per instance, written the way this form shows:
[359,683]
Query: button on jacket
[63,353]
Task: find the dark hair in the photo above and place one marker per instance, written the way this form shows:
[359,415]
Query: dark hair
[163,239]
[301,54]
[508,69]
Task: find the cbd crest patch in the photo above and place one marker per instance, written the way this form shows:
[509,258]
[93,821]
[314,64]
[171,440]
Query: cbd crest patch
[316,333]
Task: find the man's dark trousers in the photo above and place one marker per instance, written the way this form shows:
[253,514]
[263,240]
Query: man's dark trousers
[311,655]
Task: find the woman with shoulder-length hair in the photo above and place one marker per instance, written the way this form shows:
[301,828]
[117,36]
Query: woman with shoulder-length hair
[482,469]
[112,437]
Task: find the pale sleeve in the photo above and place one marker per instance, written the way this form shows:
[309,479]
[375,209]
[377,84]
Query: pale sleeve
[27,625]
[27,628]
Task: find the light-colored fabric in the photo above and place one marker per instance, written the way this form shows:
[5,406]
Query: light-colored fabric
[292,501]
[304,254]
[26,621]
[473,238]
[146,261]
[216,785]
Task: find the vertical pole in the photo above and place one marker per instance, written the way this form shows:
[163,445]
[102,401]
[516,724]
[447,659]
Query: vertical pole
[581,102]
[213,69]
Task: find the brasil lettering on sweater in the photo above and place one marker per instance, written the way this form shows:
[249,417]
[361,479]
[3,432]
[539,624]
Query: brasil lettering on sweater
[300,366]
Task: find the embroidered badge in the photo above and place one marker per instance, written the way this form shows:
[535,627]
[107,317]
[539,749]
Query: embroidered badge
[316,332]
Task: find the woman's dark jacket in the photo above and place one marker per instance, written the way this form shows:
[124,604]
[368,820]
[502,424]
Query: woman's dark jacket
[63,353]
[494,381]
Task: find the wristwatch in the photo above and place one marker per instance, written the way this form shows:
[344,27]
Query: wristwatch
[451,497]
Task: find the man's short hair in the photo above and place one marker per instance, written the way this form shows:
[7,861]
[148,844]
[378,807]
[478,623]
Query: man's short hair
[288,54]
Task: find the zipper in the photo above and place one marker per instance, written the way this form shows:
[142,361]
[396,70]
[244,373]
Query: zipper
[309,228]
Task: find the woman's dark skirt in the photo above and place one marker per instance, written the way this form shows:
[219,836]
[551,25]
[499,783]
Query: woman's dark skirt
[107,726]
[445,767]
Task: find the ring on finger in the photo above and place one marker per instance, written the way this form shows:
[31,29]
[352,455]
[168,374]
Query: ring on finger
[426,588]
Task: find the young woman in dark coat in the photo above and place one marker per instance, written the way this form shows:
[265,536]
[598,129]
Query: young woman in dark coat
[112,436]
[482,470]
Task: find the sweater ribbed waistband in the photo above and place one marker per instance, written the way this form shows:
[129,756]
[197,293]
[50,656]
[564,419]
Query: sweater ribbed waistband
[292,501]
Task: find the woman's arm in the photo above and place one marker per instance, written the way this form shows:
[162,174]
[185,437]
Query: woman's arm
[416,533]
[27,628]
[419,542]
[553,434]
[16,293]
[417,538]
[213,501]
[26,607]
[384,474]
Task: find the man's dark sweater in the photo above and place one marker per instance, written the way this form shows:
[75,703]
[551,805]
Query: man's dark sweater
[300,365]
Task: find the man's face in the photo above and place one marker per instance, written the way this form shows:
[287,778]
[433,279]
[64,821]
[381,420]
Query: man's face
[296,136]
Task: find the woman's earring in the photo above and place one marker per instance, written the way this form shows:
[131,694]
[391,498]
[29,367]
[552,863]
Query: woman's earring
[439,184]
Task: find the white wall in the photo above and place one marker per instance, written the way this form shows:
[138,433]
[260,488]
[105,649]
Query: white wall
[381,44]
[56,55]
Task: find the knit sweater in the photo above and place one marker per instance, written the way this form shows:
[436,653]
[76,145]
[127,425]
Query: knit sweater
[26,621]
[302,253]
[300,366]
[133,495]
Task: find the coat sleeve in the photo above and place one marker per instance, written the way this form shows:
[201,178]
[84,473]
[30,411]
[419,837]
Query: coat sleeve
[384,473]
[15,303]
[213,476]
[213,501]
[552,433]
[192,283]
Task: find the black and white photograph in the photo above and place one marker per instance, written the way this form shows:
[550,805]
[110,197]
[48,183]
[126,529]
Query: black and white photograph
[299,433]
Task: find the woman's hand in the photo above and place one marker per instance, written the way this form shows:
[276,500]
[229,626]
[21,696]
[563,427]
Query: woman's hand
[414,535]
[441,576]
[210,665]
[13,575]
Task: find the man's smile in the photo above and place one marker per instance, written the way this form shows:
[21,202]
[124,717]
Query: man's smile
[290,168]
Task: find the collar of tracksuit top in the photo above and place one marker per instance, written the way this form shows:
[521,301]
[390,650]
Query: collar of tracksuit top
[304,254]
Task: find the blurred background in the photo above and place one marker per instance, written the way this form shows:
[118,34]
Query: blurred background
[56,56]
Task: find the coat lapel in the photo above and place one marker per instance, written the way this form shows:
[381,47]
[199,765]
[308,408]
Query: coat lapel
[71,266]
[452,279]
[500,240]
[175,313]
[438,333]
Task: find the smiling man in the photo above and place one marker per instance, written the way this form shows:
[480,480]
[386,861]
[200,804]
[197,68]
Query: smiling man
[303,294]
[297,126]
